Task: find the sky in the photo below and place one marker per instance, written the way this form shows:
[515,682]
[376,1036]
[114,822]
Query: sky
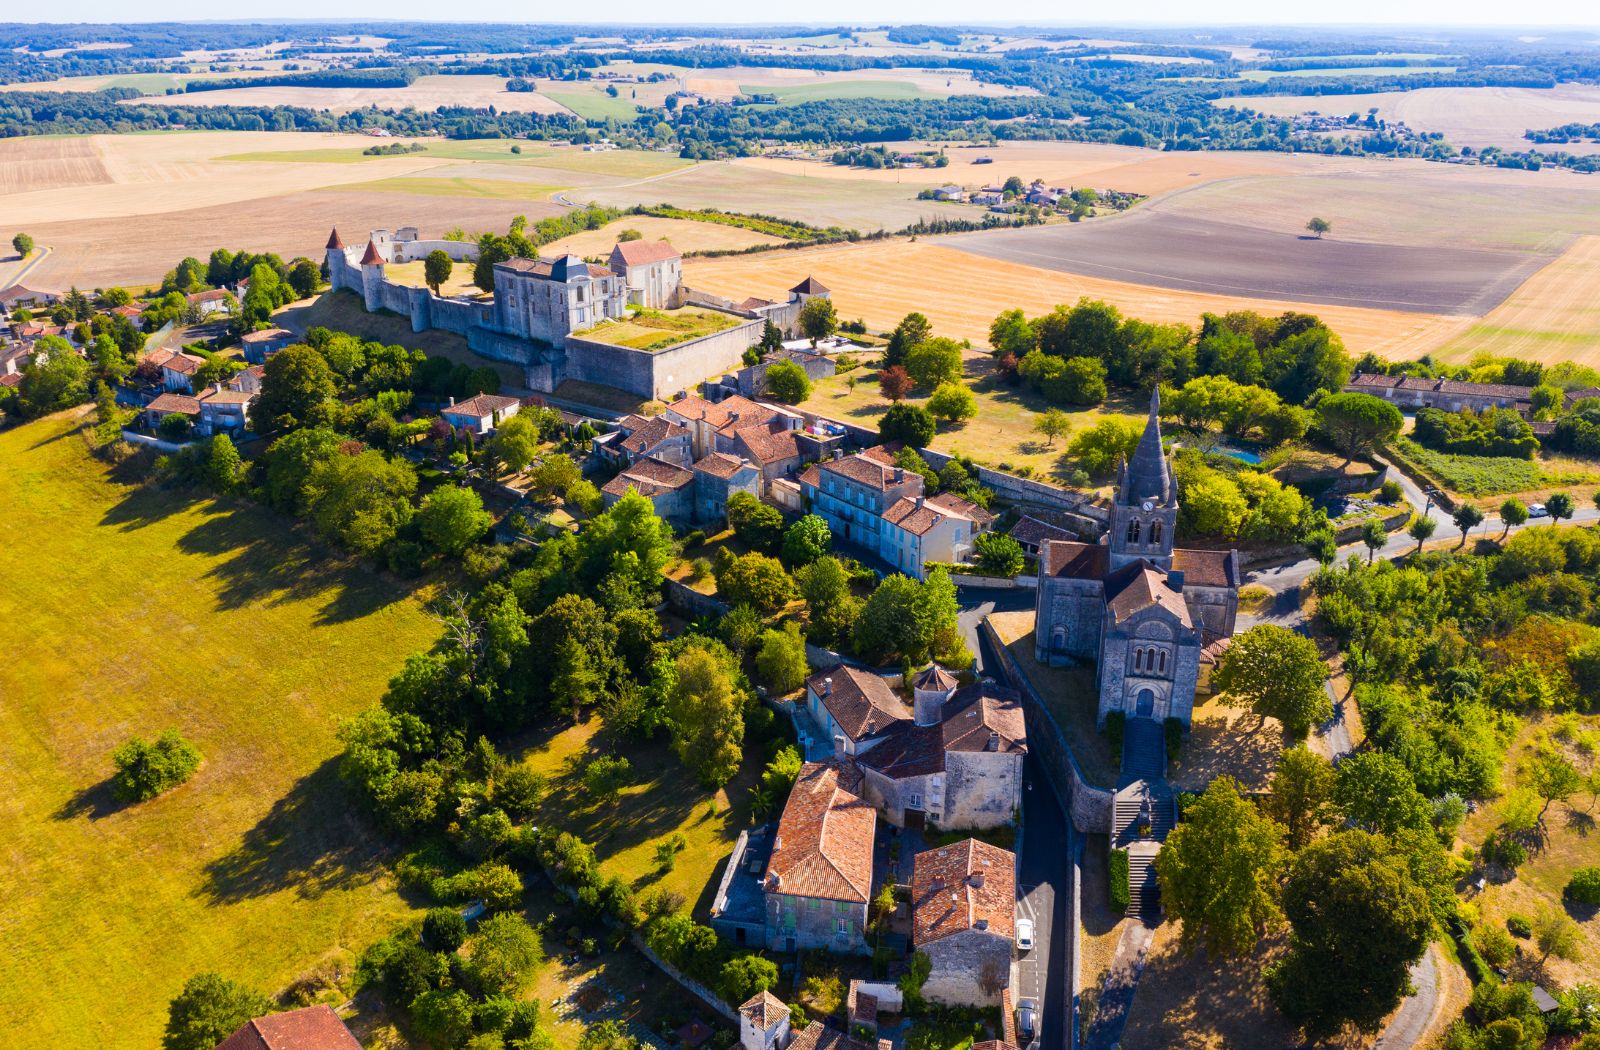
[1582,13]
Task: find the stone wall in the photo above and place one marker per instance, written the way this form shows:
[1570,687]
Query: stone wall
[962,963]
[1083,513]
[982,789]
[691,602]
[411,251]
[661,374]
[1090,806]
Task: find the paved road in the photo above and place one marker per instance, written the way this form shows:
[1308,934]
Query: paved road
[1415,1013]
[1044,892]
[27,266]
[978,602]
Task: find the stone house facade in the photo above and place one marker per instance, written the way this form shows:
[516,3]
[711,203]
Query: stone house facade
[819,878]
[963,918]
[718,476]
[1451,395]
[481,413]
[547,300]
[1141,609]
[651,272]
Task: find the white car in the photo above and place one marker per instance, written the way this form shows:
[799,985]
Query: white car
[1024,935]
[1538,510]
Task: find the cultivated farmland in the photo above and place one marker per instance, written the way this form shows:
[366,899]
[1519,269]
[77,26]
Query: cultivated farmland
[1554,316]
[137,609]
[476,92]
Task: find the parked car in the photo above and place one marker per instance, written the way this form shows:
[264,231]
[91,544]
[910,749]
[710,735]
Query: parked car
[1024,935]
[1027,1020]
[1538,510]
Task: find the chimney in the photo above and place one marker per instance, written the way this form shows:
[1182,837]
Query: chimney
[994,741]
[827,687]
[838,454]
[216,388]
[1175,579]
[938,884]
[919,502]
[975,880]
[981,924]
[899,474]
[451,403]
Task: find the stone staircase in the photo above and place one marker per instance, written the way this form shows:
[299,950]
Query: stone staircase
[1144,811]
[1144,892]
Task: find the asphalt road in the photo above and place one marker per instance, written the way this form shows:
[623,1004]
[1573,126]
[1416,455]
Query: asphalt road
[1043,893]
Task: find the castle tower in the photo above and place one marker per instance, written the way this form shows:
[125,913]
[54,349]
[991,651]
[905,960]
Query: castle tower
[372,278]
[929,690]
[334,257]
[1144,514]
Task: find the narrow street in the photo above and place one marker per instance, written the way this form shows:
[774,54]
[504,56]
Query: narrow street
[1044,891]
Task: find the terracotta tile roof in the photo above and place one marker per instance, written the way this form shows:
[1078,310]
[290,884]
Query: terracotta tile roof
[167,404]
[1415,384]
[818,1036]
[981,714]
[935,677]
[963,886]
[183,364]
[652,433]
[916,516]
[545,269]
[1073,560]
[1138,586]
[371,256]
[1031,532]
[335,242]
[718,415]
[719,465]
[861,1006]
[14,379]
[811,476]
[265,335]
[861,702]
[481,406]
[824,843]
[649,477]
[226,397]
[753,304]
[312,1028]
[767,446]
[964,507]
[642,253]
[210,295]
[1207,568]
[863,469]
[130,311]
[764,1010]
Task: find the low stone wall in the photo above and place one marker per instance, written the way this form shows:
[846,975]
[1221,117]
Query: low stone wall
[692,986]
[411,251]
[1089,805]
[660,374]
[691,602]
[1089,518]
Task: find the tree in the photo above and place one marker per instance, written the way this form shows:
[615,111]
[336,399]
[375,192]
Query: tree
[223,465]
[913,330]
[1556,934]
[758,525]
[506,953]
[604,777]
[806,540]
[1011,333]
[1358,920]
[1277,673]
[1218,872]
[436,268]
[817,319]
[895,382]
[1358,423]
[1378,794]
[1078,381]
[1467,517]
[952,402]
[54,379]
[444,930]
[911,425]
[1302,795]
[934,362]
[1513,512]
[832,609]
[1052,423]
[781,660]
[23,244]
[1374,536]
[1560,505]
[453,519]
[1420,529]
[707,719]
[756,580]
[515,443]
[906,618]
[998,554]
[1103,445]
[297,389]
[1319,226]
[304,277]
[788,382]
[208,1010]
[1551,776]
[771,339]
[146,768]
[745,976]
[360,501]
[492,249]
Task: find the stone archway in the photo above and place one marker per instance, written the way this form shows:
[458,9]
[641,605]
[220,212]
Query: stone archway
[1144,706]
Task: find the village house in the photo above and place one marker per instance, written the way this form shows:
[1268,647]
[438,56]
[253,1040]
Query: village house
[819,878]
[639,438]
[1031,532]
[177,369]
[249,380]
[853,708]
[170,404]
[1451,395]
[713,426]
[1141,609]
[651,272]
[717,477]
[751,380]
[481,413]
[17,296]
[764,1024]
[668,487]
[963,918]
[224,411]
[953,194]
[211,302]
[258,346]
[310,1028]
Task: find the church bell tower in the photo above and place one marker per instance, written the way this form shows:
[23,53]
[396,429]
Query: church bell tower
[1144,513]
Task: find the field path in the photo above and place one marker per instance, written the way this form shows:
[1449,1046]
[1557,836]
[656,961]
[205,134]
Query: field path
[27,266]
[560,196]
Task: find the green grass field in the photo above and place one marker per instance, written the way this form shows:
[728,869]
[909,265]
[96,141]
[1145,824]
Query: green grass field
[129,610]
[1492,475]
[1344,71]
[656,329]
[793,96]
[595,105]
[432,186]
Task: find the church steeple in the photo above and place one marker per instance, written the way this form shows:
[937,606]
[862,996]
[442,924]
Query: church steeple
[1144,514]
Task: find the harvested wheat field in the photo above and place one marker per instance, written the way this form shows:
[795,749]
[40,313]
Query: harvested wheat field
[1468,116]
[686,235]
[961,293]
[425,93]
[1554,316]
[807,84]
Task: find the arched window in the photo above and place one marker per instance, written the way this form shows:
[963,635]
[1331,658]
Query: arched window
[1155,532]
[1133,531]
[1163,661]
[1138,659]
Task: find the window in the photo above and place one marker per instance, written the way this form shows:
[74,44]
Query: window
[844,927]
[914,801]
[1155,532]
[1163,661]
[1138,659]
[813,904]
[1133,531]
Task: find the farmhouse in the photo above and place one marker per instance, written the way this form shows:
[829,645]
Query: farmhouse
[819,879]
[480,414]
[1452,395]
[668,487]
[565,318]
[19,296]
[751,380]
[963,918]
[1139,608]
[311,1028]
[177,368]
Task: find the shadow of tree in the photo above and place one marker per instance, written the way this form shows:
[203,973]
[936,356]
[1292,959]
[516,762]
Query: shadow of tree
[1231,742]
[146,505]
[1579,823]
[312,840]
[95,802]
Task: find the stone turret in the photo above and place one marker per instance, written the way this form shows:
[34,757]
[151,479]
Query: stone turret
[930,689]
[333,257]
[372,277]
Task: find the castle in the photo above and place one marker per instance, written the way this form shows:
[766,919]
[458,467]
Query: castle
[538,305]
[1146,613]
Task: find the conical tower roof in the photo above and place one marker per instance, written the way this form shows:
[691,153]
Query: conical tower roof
[335,242]
[1147,476]
[372,258]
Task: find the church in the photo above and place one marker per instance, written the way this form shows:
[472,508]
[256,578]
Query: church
[1146,613]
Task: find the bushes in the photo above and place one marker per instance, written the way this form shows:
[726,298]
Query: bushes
[1471,961]
[1117,881]
[1173,728]
[1495,945]
[1495,432]
[145,769]
[1116,722]
[1519,926]
[1583,887]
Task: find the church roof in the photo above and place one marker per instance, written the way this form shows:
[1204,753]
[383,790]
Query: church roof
[1207,568]
[1147,475]
[1073,560]
[1139,586]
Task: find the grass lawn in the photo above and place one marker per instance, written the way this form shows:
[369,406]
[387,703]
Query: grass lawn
[1569,843]
[657,329]
[596,104]
[132,610]
[415,274]
[1001,434]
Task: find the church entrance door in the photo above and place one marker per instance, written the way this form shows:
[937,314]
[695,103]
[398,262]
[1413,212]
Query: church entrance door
[1145,706]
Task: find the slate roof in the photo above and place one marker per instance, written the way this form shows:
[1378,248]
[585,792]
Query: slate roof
[1139,586]
[558,270]
[1032,532]
[311,1028]
[810,286]
[861,702]
[481,406]
[642,253]
[1073,560]
[945,899]
[649,477]
[824,844]
[1147,476]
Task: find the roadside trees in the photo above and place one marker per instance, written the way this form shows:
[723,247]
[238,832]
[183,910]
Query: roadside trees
[1421,529]
[23,244]
[1560,505]
[1513,512]
[1357,423]
[1467,517]
[1374,536]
